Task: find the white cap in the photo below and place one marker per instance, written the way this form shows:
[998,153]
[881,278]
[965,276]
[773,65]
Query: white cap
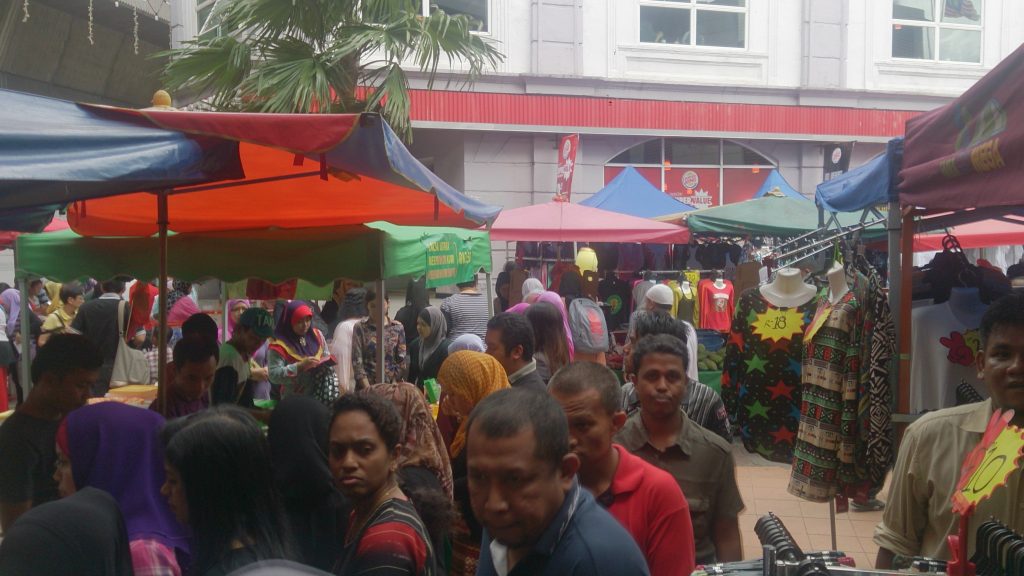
[660,294]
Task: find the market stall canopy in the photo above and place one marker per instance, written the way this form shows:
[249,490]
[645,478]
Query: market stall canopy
[8,237]
[318,255]
[54,153]
[566,222]
[777,185]
[866,186]
[970,153]
[1006,231]
[632,194]
[769,216]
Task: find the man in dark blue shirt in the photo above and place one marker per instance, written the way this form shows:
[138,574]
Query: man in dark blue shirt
[523,490]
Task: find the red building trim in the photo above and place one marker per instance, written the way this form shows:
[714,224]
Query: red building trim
[625,114]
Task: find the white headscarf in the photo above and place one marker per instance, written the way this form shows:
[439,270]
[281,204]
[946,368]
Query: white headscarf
[531,285]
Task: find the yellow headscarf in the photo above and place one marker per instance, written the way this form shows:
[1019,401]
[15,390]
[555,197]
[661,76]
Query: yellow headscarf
[471,377]
[53,291]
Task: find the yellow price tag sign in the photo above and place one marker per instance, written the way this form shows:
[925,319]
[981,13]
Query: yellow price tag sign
[999,461]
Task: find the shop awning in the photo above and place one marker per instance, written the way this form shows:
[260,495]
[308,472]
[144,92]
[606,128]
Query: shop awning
[970,153]
[777,185]
[566,222]
[268,168]
[768,216]
[866,186]
[7,237]
[632,194]
[315,255]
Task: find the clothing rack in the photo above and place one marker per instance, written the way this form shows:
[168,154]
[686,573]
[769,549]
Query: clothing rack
[804,252]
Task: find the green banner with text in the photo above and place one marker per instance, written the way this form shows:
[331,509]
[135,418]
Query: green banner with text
[449,260]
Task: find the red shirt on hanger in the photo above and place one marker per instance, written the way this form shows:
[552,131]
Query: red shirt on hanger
[716,305]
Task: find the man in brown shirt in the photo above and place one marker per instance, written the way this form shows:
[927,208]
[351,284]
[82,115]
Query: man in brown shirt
[699,460]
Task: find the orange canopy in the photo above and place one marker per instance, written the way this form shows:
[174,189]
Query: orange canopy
[300,202]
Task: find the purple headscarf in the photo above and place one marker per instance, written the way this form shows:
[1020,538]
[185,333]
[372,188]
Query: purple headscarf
[555,300]
[231,306]
[116,448]
[10,299]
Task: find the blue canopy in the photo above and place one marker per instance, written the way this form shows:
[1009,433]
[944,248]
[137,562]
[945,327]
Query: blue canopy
[871,184]
[775,182]
[632,194]
[53,153]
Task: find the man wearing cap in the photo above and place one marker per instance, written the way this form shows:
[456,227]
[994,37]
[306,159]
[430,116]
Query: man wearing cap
[658,298]
[232,383]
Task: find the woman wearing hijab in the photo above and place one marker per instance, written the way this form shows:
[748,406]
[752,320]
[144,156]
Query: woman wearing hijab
[80,534]
[235,308]
[429,351]
[416,299]
[424,471]
[466,378]
[180,305]
[317,512]
[352,311]
[298,359]
[470,342]
[116,448]
[555,300]
[550,350]
[220,484]
[531,288]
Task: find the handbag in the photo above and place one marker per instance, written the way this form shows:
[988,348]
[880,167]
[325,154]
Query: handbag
[130,365]
[325,383]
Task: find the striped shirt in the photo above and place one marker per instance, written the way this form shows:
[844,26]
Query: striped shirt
[467,313]
[701,403]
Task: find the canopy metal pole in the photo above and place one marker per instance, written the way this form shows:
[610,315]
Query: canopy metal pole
[25,360]
[162,222]
[903,313]
[382,318]
[224,311]
[895,290]
[487,275]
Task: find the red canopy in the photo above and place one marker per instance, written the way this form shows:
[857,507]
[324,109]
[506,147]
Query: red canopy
[983,234]
[565,222]
[970,153]
[7,238]
[300,171]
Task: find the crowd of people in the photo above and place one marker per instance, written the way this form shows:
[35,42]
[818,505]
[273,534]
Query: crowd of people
[536,459]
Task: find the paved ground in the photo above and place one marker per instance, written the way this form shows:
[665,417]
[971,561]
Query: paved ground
[763,486]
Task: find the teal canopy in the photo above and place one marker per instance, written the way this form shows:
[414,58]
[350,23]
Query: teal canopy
[769,216]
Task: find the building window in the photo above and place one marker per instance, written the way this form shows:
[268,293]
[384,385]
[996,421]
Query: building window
[475,10]
[701,172]
[938,30]
[718,23]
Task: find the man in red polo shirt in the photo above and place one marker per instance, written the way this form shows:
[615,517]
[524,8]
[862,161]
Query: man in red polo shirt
[643,498]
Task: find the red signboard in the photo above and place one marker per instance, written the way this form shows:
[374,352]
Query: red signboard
[566,166]
[698,187]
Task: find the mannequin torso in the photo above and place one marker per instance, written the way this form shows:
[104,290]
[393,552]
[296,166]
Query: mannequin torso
[837,286]
[788,290]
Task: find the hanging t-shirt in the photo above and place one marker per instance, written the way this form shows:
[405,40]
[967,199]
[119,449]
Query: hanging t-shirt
[945,349]
[761,373]
[687,303]
[693,277]
[615,294]
[824,455]
[716,305]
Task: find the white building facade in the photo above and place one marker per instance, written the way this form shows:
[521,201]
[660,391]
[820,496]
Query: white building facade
[721,89]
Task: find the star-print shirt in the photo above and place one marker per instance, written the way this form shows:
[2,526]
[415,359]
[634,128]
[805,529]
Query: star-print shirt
[761,373]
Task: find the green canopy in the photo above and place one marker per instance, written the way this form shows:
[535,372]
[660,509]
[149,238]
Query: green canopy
[767,216]
[316,255]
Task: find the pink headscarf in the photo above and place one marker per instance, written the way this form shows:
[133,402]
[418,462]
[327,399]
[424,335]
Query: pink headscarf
[519,308]
[556,301]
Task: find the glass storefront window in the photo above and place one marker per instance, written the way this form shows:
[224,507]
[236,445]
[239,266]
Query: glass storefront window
[938,30]
[716,23]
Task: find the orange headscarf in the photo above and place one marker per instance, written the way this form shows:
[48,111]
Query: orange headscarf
[471,377]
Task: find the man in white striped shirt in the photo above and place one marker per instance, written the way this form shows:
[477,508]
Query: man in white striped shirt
[467,311]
